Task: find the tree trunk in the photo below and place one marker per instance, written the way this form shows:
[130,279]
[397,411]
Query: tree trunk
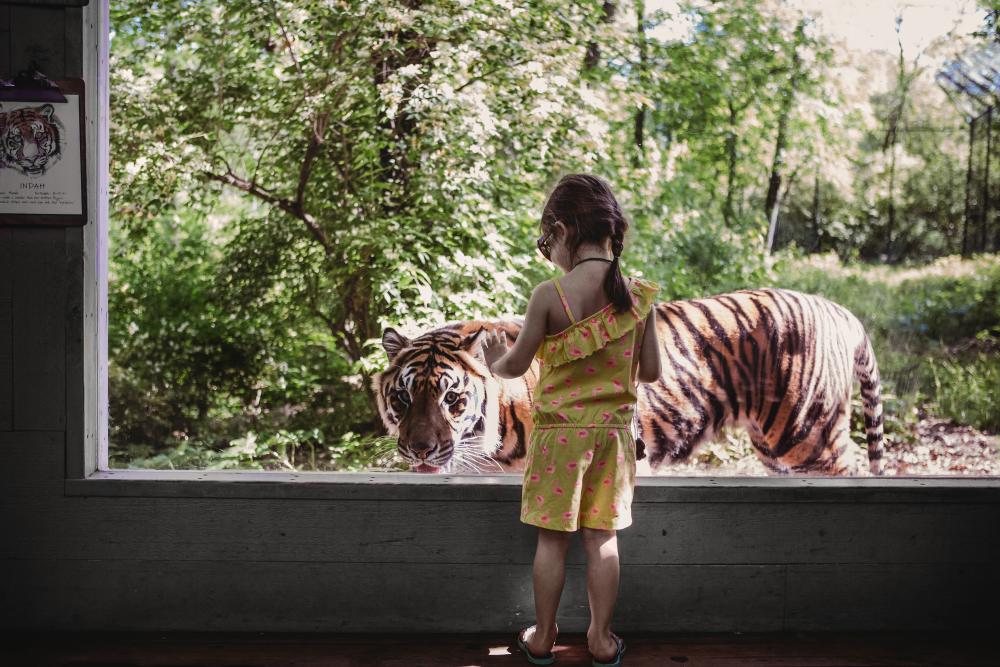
[593,55]
[903,81]
[727,209]
[640,112]
[986,208]
[892,202]
[818,246]
[394,157]
[777,164]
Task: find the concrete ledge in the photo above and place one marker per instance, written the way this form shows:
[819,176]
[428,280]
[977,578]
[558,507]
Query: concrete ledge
[507,487]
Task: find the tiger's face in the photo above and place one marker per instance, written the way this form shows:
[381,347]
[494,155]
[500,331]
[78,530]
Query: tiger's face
[441,401]
[29,139]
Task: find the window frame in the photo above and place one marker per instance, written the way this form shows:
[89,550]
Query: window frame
[86,463]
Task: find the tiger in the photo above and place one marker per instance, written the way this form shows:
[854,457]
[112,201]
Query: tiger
[447,411]
[29,139]
[778,363]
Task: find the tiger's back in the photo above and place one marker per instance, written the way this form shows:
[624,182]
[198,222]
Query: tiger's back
[777,362]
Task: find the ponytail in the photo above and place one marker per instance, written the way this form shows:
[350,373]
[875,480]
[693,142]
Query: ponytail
[614,283]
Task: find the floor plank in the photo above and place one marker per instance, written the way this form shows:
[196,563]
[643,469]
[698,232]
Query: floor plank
[487,650]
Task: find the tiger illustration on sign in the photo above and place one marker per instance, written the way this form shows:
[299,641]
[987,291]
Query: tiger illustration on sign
[777,362]
[29,139]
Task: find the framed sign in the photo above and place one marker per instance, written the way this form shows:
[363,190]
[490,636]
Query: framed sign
[43,155]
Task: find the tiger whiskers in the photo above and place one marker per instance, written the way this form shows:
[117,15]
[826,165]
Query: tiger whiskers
[468,461]
[382,453]
[468,453]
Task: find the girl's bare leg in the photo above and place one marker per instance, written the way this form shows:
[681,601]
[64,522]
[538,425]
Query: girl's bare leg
[549,574]
[601,547]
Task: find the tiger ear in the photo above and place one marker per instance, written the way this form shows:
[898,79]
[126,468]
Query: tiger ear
[472,344]
[393,342]
[47,110]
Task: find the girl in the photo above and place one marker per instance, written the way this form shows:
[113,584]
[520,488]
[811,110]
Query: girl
[580,466]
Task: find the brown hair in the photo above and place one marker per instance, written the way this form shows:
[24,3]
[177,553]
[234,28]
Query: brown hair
[590,212]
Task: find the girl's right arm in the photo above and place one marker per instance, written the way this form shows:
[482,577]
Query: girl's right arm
[649,352]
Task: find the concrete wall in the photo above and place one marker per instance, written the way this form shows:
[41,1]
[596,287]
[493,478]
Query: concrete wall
[246,551]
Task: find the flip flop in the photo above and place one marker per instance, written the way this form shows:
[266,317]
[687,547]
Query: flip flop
[546,659]
[617,660]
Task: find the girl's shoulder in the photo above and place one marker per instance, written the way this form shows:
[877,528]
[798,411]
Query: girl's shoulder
[636,284]
[587,336]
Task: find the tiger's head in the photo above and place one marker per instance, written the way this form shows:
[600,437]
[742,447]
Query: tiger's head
[449,413]
[29,139]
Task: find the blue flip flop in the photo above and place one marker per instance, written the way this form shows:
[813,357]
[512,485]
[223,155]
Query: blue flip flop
[546,659]
[617,660]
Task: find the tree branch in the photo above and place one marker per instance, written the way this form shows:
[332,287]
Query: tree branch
[290,207]
[483,75]
[312,150]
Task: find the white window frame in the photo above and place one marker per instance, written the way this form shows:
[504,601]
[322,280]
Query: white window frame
[87,470]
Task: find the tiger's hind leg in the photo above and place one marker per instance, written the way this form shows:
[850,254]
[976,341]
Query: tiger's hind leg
[849,459]
[819,443]
[828,450]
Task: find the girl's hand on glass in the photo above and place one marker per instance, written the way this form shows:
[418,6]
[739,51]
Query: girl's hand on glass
[493,345]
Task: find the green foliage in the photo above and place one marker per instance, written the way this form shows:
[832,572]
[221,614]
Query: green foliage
[967,390]
[705,257]
[951,309]
[173,343]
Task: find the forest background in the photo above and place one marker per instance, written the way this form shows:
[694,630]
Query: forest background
[290,178]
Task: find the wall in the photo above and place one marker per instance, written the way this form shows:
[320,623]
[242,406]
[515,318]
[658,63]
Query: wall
[198,551]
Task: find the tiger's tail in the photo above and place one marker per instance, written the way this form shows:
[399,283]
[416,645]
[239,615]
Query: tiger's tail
[866,371]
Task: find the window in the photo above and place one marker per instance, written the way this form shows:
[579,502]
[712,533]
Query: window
[291,442]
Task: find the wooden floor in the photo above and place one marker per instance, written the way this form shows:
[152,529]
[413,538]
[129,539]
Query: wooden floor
[488,650]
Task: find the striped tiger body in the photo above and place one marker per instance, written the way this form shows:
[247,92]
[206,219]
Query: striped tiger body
[779,363]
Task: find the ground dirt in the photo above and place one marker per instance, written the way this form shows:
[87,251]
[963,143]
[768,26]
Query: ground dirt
[936,447]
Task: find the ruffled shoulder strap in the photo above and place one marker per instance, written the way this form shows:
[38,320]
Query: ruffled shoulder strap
[591,334]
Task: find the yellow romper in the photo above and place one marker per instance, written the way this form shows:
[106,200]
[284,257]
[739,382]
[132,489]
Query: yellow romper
[580,464]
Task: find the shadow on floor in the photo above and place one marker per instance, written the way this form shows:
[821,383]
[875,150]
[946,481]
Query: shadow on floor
[169,649]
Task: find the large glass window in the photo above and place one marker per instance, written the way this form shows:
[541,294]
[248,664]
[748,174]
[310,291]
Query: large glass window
[316,206]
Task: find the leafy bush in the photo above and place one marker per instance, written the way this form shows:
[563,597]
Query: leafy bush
[968,390]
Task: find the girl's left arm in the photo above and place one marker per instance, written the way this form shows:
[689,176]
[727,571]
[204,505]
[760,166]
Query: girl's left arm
[519,356]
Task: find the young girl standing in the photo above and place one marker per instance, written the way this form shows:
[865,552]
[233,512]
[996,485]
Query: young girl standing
[580,466]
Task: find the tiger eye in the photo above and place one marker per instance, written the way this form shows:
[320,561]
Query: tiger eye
[399,398]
